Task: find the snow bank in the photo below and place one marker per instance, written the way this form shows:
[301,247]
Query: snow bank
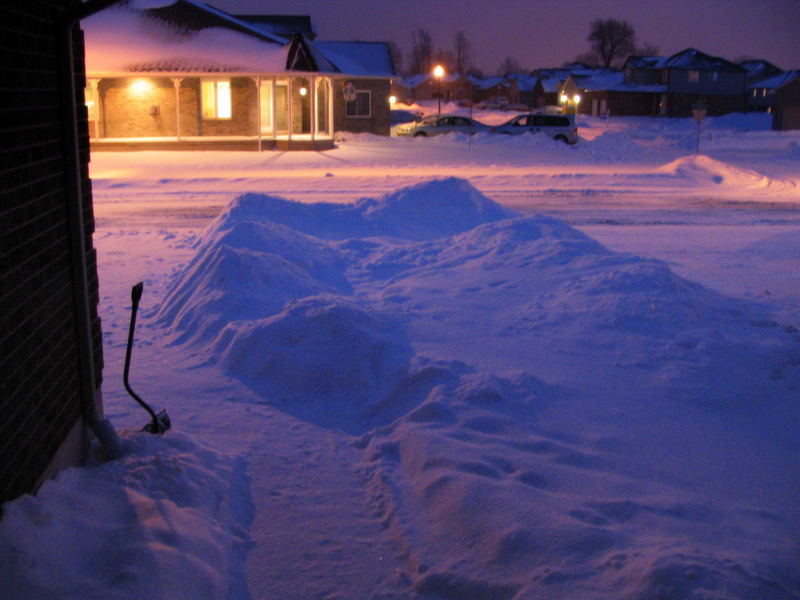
[703,170]
[156,523]
[540,417]
[489,504]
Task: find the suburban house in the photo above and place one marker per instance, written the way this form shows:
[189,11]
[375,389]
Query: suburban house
[689,77]
[605,92]
[782,96]
[190,76]
[495,90]
[452,87]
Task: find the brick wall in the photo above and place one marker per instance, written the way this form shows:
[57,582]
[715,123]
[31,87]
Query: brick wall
[40,395]
[378,122]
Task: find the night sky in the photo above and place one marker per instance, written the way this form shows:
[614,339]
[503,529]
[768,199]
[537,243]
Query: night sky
[547,33]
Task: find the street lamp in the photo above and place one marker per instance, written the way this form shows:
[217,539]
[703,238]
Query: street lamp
[438,73]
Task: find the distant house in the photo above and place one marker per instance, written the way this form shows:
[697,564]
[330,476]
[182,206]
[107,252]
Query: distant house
[605,92]
[452,87]
[763,95]
[784,93]
[691,76]
[495,90]
[190,76]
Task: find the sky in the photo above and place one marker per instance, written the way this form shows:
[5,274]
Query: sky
[548,33]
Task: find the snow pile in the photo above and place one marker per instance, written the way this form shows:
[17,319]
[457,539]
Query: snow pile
[704,169]
[320,353]
[539,416]
[156,523]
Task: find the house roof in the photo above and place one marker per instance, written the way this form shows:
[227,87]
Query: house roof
[187,17]
[359,58]
[121,38]
[690,58]
[284,26]
[758,69]
[187,37]
[774,83]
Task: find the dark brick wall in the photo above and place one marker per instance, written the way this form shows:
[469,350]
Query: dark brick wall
[378,123]
[40,397]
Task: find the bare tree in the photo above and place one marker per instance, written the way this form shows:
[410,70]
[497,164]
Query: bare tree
[421,52]
[510,65]
[612,41]
[463,52]
[397,57]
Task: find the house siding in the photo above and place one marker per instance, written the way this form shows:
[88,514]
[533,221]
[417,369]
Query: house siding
[126,113]
[378,123]
[40,391]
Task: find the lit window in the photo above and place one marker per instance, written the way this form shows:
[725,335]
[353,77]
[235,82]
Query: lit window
[360,106]
[694,75]
[714,75]
[216,99]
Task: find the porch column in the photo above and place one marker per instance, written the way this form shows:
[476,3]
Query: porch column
[94,84]
[313,106]
[257,79]
[176,83]
[289,91]
[272,97]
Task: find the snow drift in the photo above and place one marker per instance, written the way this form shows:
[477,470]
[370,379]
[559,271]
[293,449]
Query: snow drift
[540,417]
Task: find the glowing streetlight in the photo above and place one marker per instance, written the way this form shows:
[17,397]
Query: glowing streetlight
[438,73]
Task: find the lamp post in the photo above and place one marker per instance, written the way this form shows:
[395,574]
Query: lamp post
[438,73]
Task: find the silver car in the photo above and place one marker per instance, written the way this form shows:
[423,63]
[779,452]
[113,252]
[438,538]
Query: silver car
[558,127]
[440,124]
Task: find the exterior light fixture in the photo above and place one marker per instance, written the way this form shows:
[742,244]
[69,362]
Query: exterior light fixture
[563,98]
[392,99]
[303,91]
[141,86]
[576,98]
[438,72]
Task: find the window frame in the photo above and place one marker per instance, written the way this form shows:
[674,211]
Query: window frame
[693,76]
[216,104]
[355,102]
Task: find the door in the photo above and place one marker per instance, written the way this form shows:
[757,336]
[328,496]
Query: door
[265,106]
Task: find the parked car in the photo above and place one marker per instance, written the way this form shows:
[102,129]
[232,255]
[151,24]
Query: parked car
[400,116]
[558,127]
[439,124]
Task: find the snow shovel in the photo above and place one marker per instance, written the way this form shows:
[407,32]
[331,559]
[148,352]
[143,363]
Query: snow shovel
[159,422]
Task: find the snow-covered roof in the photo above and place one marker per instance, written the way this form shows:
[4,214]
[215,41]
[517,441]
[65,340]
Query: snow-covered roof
[691,58]
[125,39]
[371,59]
[773,83]
[284,26]
[489,82]
[759,69]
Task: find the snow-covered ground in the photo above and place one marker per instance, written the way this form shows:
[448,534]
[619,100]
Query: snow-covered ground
[444,369]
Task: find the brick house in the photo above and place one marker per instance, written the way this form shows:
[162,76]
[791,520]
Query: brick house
[50,343]
[691,76]
[786,114]
[453,87]
[190,76]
